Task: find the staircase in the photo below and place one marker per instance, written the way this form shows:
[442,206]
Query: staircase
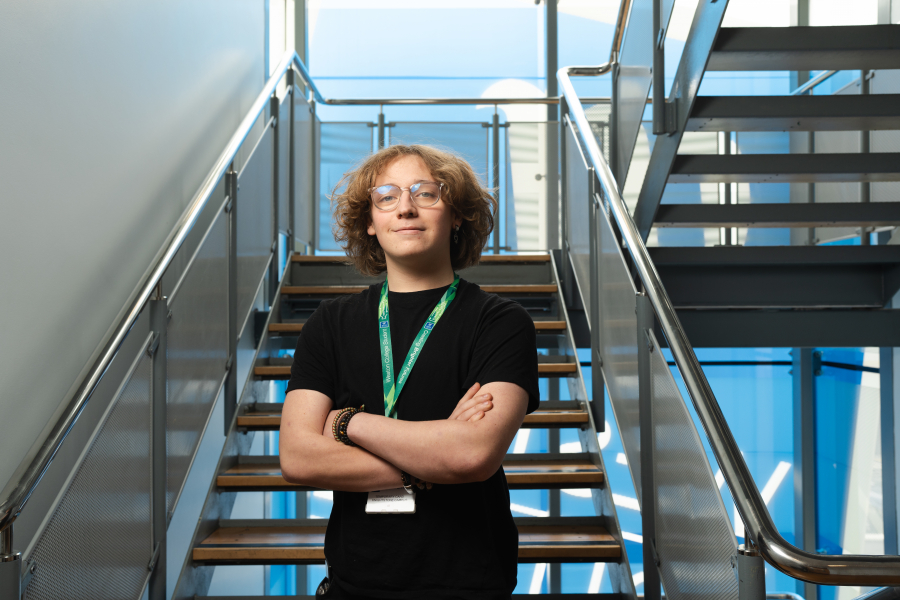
[730,296]
[530,280]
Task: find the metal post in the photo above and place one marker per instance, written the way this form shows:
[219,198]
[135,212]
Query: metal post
[725,233]
[644,311]
[865,239]
[313,181]
[275,109]
[659,71]
[804,394]
[301,512]
[380,127]
[495,159]
[551,55]
[159,322]
[292,182]
[598,407]
[10,566]
[888,456]
[751,573]
[563,200]
[231,187]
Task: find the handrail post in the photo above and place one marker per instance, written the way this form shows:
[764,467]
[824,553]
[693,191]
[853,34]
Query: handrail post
[645,318]
[231,188]
[597,399]
[659,71]
[751,572]
[313,241]
[563,265]
[495,179]
[292,196]
[10,566]
[275,110]
[159,323]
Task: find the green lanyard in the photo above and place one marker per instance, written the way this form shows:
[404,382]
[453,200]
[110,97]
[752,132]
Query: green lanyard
[392,390]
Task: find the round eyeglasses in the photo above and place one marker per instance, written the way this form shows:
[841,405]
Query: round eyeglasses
[423,194]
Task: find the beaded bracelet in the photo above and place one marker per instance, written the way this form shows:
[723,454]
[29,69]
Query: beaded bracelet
[341,421]
[406,479]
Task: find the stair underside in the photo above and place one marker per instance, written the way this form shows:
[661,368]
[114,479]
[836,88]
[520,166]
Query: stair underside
[795,113]
[539,419]
[779,276]
[272,543]
[806,48]
[793,214]
[785,168]
[522,472]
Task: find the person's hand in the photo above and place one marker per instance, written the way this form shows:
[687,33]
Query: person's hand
[472,406]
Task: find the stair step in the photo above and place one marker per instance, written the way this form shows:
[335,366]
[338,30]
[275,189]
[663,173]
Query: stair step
[282,372]
[562,415]
[485,258]
[779,276]
[806,48]
[792,214]
[340,290]
[795,113]
[523,472]
[269,542]
[295,328]
[785,168]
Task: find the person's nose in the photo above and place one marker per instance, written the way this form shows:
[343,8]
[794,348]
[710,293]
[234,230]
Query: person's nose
[406,208]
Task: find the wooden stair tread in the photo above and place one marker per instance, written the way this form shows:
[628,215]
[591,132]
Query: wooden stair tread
[305,544]
[540,418]
[337,290]
[520,474]
[284,372]
[298,327]
[485,258]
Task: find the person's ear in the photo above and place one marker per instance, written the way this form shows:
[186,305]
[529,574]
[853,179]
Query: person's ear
[371,228]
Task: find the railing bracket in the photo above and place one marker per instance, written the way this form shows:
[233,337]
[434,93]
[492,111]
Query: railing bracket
[153,345]
[152,564]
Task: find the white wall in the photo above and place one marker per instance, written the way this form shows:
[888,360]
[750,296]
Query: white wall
[111,113]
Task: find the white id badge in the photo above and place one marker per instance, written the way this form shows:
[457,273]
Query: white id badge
[391,502]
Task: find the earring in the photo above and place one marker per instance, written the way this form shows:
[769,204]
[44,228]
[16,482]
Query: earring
[456,235]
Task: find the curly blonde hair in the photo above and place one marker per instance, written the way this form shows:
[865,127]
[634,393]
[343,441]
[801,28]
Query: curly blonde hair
[463,192]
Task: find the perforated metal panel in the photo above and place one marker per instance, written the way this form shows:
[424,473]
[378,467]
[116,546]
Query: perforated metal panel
[97,544]
[598,116]
[197,351]
[618,340]
[578,213]
[303,195]
[255,210]
[694,538]
[284,164]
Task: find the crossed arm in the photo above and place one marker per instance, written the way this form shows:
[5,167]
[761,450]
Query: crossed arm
[468,446]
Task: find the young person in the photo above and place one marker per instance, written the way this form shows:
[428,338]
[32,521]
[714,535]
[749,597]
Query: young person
[445,373]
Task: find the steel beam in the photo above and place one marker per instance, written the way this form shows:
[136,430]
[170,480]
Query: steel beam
[780,329]
[795,113]
[806,48]
[701,37]
[831,214]
[804,403]
[772,168]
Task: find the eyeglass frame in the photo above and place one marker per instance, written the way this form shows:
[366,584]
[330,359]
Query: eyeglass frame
[411,197]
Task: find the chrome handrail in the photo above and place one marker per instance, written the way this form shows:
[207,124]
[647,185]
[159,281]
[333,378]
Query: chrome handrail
[823,569]
[32,468]
[813,82]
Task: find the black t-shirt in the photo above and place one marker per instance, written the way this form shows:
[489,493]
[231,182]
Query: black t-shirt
[462,541]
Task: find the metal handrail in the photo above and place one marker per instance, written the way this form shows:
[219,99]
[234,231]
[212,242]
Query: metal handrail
[813,82]
[814,568]
[32,468]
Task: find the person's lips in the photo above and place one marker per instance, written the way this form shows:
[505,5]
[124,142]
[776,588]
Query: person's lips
[408,230]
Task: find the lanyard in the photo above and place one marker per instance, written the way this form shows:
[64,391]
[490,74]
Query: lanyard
[391,389]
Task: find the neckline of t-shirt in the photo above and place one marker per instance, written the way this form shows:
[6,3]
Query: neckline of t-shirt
[412,298]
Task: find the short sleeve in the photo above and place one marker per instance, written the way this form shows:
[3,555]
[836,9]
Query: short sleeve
[506,350]
[313,367]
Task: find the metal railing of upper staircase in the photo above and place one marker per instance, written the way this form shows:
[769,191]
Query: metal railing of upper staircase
[604,198]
